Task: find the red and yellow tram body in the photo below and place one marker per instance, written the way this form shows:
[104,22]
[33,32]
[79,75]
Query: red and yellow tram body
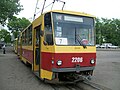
[60,44]
[15,45]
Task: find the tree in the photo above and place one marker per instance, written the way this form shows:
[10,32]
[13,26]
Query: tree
[108,30]
[5,35]
[98,26]
[16,25]
[8,8]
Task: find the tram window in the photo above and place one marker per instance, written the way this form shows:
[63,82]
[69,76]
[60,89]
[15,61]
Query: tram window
[68,28]
[48,29]
[19,40]
[27,36]
[30,35]
[23,38]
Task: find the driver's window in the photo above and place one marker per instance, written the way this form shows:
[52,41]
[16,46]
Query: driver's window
[48,29]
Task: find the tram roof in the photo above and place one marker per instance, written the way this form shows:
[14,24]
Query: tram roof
[72,12]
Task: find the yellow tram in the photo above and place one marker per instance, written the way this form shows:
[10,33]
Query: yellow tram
[60,45]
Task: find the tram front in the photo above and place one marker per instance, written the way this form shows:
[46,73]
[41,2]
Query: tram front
[72,38]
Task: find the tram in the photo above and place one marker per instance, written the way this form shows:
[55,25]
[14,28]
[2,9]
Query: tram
[59,45]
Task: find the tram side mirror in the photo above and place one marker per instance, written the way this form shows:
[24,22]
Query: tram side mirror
[41,33]
[45,43]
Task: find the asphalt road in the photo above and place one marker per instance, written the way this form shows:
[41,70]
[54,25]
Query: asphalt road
[107,71]
[14,75]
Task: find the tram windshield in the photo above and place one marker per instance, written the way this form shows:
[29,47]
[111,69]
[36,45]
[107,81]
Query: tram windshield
[73,30]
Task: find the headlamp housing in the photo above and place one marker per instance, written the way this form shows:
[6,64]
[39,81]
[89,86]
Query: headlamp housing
[92,61]
[59,62]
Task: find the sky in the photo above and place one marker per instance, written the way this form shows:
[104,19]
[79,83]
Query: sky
[98,8]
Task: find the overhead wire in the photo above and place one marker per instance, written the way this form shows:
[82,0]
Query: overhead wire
[35,10]
[46,6]
[43,6]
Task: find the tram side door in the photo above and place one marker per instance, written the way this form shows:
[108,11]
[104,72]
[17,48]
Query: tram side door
[37,50]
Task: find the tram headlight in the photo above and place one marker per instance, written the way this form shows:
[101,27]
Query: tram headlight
[59,62]
[92,61]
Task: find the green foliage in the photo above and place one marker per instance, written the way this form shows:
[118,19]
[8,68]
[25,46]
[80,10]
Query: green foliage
[16,25]
[4,34]
[8,8]
[108,30]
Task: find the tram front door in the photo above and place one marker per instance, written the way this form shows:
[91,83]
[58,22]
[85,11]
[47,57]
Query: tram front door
[37,50]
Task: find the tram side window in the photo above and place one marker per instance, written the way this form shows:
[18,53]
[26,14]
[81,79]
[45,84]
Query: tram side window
[48,29]
[30,35]
[26,37]
[23,38]
[19,40]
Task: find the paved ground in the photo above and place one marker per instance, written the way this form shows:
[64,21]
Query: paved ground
[107,72]
[14,75]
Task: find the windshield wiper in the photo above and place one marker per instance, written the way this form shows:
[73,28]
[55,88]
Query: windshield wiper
[79,39]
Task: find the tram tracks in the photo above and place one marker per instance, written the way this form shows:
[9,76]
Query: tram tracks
[65,87]
[74,87]
[88,85]
[85,85]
